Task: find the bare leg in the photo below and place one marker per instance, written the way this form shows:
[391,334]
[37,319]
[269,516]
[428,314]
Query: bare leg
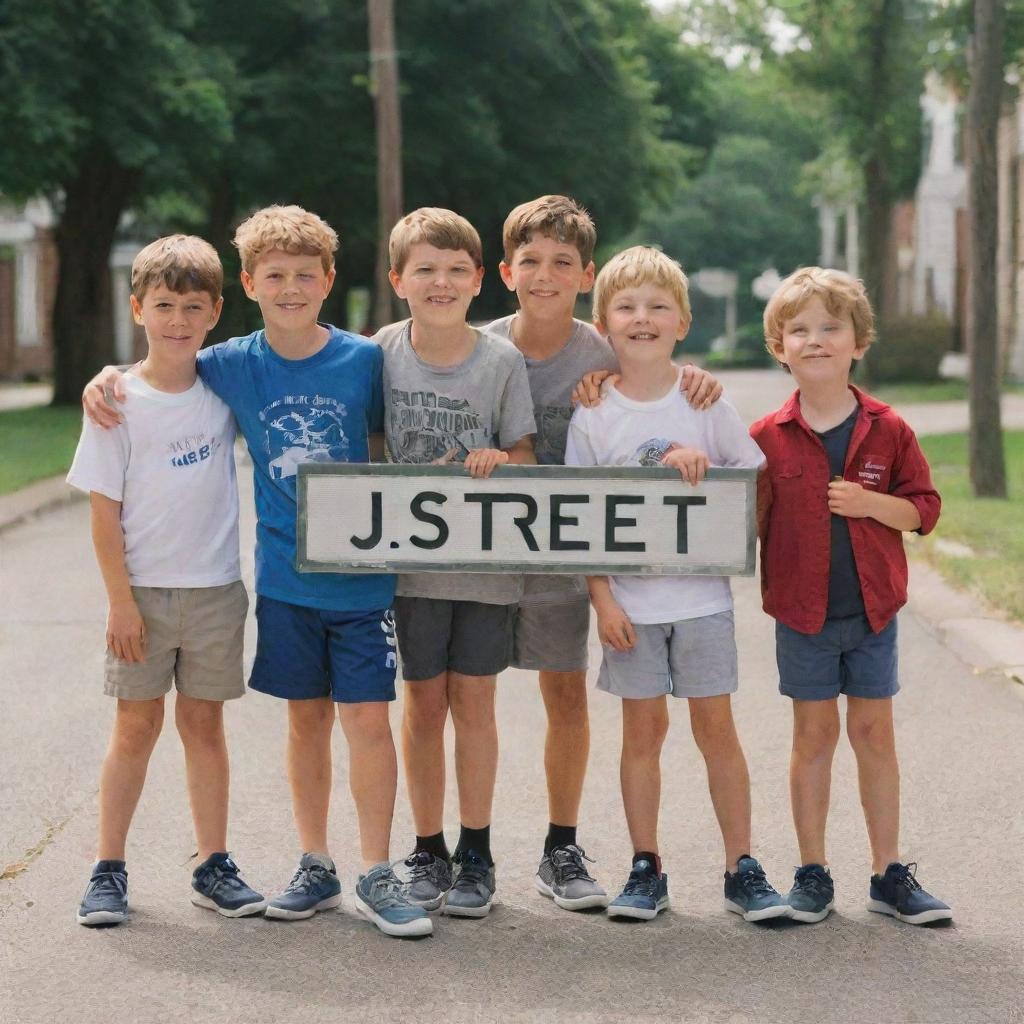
[476,745]
[644,728]
[426,711]
[201,728]
[567,743]
[373,774]
[869,725]
[815,735]
[310,723]
[137,725]
[715,734]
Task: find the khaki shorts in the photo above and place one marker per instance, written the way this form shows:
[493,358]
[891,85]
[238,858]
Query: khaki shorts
[193,640]
[553,637]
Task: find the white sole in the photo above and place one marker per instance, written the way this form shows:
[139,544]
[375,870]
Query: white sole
[583,903]
[806,917]
[249,909]
[423,926]
[281,914]
[925,917]
[638,913]
[101,917]
[454,910]
[767,914]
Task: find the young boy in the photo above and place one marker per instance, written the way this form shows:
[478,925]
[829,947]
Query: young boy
[548,261]
[164,508]
[845,476]
[452,394]
[301,392]
[667,635]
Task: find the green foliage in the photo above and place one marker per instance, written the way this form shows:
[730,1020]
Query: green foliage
[910,349]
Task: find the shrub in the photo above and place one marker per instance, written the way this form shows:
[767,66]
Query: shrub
[909,348]
[749,353]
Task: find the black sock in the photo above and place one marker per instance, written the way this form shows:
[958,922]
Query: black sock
[559,835]
[651,858]
[434,845]
[476,839]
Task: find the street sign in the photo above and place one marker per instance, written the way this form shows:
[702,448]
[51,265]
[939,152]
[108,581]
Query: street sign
[532,519]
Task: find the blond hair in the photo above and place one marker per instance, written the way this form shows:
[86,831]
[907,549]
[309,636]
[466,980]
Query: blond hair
[289,229]
[638,266]
[443,229]
[840,293]
[181,263]
[557,217]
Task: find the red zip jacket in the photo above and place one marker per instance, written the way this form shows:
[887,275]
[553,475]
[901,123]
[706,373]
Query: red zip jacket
[794,523]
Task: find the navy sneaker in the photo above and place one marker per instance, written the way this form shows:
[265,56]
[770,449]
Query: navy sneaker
[314,887]
[812,895]
[473,885]
[749,893]
[381,898]
[562,877]
[106,896]
[899,894]
[429,878]
[644,895]
[216,885]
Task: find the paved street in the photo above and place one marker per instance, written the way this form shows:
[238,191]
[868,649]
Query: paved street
[960,735]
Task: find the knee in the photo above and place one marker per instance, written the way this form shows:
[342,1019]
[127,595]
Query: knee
[813,742]
[310,718]
[713,735]
[870,737]
[365,724]
[425,712]
[473,707]
[199,720]
[645,736]
[566,700]
[137,727]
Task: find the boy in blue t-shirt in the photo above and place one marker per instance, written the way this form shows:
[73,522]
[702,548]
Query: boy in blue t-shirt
[305,392]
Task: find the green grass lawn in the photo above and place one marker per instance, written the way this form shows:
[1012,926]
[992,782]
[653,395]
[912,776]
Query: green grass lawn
[991,528]
[36,443]
[933,391]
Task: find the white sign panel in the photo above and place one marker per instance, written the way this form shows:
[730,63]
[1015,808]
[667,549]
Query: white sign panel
[537,519]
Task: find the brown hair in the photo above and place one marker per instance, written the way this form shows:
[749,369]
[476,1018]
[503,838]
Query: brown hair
[181,263]
[636,266]
[443,229]
[289,229]
[557,217]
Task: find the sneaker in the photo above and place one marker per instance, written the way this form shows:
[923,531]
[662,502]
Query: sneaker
[429,878]
[899,894]
[106,896]
[811,897]
[563,878]
[749,893]
[644,895]
[314,887]
[381,898]
[473,885]
[216,885]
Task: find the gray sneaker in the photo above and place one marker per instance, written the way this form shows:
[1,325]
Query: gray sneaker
[472,890]
[106,896]
[380,897]
[314,887]
[563,878]
[427,880]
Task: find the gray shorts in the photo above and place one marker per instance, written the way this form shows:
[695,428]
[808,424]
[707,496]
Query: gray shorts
[553,637]
[469,637]
[689,658]
[193,640]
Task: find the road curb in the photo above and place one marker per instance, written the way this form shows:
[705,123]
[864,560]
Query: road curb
[35,499]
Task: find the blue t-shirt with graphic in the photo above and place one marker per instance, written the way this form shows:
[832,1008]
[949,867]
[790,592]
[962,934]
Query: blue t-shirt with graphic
[320,409]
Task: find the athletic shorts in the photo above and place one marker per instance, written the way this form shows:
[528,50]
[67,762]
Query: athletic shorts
[552,637]
[688,658]
[469,637]
[845,657]
[193,641]
[303,653]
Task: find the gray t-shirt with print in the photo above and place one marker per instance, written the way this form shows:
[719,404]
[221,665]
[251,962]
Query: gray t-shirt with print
[437,414]
[551,384]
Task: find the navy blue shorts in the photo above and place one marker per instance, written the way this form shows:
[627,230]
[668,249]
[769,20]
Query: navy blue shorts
[302,653]
[845,657]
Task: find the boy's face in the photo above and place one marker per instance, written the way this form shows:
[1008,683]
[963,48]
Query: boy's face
[817,346]
[438,284]
[176,323]
[644,324]
[546,276]
[290,289]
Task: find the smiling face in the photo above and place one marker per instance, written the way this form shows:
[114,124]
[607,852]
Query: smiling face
[289,287]
[546,276]
[644,323]
[176,323]
[438,284]
[818,346]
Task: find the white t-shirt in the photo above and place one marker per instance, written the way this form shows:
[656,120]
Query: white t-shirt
[171,464]
[624,432]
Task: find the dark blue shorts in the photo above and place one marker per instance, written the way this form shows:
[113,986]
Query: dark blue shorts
[845,657]
[302,653]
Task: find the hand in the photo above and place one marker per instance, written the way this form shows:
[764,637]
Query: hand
[100,393]
[589,391]
[126,632]
[845,498]
[692,463]
[481,462]
[701,389]
[614,628]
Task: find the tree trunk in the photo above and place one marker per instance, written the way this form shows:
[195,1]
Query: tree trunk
[985,452]
[83,324]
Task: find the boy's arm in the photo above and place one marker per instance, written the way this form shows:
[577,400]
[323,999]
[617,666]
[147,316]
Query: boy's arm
[846,498]
[702,390]
[126,632]
[100,394]
[613,626]
[481,462]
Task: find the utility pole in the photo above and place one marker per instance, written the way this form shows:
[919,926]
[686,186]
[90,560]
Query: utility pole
[388,121]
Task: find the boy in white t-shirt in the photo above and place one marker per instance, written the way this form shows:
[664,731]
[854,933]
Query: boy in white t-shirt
[667,635]
[164,508]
